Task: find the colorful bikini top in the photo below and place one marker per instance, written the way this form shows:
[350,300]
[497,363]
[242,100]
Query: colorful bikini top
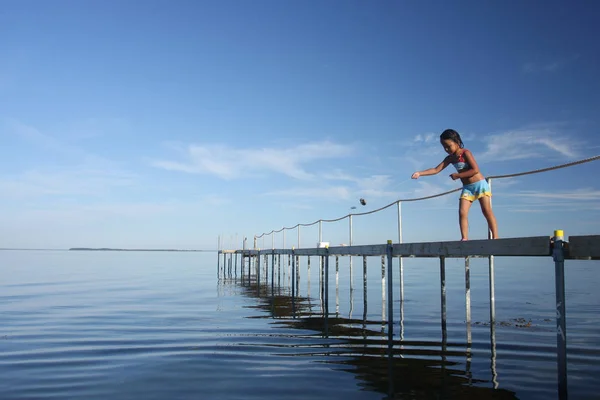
[461,164]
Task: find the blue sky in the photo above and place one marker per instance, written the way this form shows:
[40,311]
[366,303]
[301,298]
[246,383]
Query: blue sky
[165,124]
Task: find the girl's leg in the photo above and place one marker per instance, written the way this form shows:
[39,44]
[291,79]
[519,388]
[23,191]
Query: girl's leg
[486,208]
[463,217]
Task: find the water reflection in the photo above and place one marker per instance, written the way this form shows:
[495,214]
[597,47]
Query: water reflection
[396,368]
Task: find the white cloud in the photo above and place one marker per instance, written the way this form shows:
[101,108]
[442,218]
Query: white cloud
[427,137]
[328,192]
[586,194]
[528,143]
[81,180]
[549,66]
[230,163]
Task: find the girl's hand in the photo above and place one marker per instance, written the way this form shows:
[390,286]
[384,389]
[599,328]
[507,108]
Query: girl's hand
[416,175]
[454,176]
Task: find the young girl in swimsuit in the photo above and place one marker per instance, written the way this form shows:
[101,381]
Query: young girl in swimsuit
[475,187]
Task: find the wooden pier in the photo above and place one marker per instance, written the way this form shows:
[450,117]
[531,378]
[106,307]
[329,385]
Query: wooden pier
[256,262]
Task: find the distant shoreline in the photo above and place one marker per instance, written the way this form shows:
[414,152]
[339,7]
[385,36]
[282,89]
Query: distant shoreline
[110,249]
[105,249]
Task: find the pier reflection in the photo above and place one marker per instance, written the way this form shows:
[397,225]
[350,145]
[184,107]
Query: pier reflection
[397,368]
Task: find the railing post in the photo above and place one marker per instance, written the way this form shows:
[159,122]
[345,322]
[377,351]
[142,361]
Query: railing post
[320,231]
[491,274]
[561,323]
[350,219]
[400,257]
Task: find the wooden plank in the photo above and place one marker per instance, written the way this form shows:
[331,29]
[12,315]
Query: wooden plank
[584,247]
[520,247]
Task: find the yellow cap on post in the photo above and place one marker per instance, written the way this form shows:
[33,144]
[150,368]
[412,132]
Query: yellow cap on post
[559,233]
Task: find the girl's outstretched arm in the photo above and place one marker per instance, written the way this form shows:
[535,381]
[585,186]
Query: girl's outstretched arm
[431,171]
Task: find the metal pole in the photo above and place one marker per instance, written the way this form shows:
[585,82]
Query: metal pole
[320,231]
[382,291]
[258,273]
[364,290]
[561,323]
[468,292]
[293,274]
[390,301]
[350,219]
[443,293]
[326,295]
[491,275]
[337,286]
[400,258]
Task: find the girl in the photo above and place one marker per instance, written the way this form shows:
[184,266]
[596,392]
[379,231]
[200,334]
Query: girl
[475,187]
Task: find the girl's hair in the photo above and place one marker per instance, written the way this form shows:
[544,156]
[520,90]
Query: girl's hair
[451,134]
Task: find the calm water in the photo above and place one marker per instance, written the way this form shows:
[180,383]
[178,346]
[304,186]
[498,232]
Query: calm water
[99,325]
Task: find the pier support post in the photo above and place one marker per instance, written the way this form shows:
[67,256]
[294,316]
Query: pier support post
[390,300]
[272,271]
[383,297]
[491,273]
[443,295]
[337,286]
[258,273]
[326,285]
[468,294]
[308,278]
[561,323]
[364,292]
[293,276]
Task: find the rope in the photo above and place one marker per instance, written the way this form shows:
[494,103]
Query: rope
[535,171]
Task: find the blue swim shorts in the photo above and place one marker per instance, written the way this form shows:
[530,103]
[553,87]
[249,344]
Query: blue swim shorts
[475,191]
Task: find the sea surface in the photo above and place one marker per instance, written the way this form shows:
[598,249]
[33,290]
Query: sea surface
[169,325]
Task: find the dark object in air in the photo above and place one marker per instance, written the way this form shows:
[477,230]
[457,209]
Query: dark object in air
[363,202]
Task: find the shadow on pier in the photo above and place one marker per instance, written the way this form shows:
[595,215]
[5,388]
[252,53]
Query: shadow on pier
[399,369]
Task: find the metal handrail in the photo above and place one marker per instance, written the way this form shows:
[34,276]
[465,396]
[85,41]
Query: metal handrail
[535,171]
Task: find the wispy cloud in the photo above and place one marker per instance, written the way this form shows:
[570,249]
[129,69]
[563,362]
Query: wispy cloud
[328,192]
[528,143]
[549,66]
[64,182]
[566,200]
[38,138]
[586,194]
[230,162]
[427,137]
